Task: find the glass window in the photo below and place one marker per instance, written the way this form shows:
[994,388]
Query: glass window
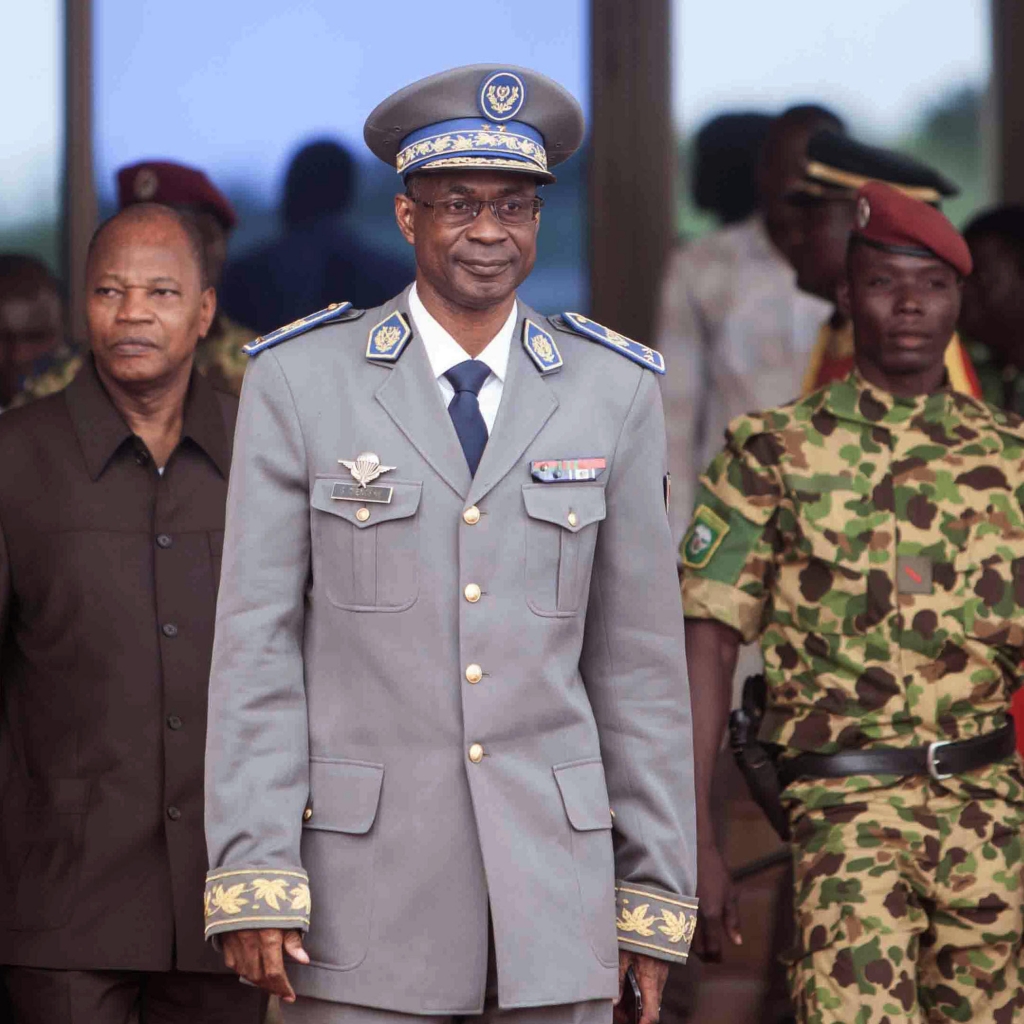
[911,76]
[236,88]
[32,139]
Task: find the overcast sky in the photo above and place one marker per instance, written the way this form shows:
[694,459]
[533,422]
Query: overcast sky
[233,85]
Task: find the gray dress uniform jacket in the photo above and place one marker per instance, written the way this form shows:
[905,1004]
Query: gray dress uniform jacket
[470,699]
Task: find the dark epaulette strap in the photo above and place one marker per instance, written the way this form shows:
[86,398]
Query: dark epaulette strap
[334,312]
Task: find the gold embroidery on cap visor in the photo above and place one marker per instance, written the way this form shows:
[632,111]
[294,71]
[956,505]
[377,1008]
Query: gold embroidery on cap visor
[702,540]
[480,141]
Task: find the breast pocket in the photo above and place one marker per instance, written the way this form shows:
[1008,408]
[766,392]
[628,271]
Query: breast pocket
[561,534]
[366,553]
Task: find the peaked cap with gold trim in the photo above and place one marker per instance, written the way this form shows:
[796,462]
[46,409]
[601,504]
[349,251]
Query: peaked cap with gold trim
[838,165]
[481,117]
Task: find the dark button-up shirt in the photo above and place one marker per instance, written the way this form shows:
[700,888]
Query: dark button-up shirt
[108,578]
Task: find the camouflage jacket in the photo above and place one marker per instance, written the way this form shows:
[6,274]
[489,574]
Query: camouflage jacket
[876,546]
[219,358]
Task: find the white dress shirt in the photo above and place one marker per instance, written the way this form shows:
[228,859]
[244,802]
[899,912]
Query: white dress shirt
[444,352]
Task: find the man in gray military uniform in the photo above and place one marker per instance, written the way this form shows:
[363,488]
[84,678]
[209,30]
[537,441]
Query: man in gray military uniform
[449,719]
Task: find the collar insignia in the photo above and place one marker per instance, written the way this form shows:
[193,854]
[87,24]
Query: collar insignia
[388,339]
[619,342]
[541,348]
[335,311]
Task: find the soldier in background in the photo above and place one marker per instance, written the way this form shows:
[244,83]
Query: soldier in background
[186,189]
[837,166]
[992,317]
[871,537]
[32,325]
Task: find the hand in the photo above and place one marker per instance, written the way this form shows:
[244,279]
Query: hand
[718,911]
[256,956]
[651,975]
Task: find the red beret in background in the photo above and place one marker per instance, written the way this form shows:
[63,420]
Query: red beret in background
[890,219]
[154,181]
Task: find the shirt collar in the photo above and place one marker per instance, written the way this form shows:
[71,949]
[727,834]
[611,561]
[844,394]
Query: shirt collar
[444,351]
[853,398]
[101,430]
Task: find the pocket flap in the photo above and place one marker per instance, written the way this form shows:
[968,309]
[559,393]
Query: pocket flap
[404,499]
[343,795]
[571,506]
[584,794]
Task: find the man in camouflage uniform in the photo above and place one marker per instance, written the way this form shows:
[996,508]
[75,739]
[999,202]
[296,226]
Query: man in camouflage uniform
[219,355]
[871,536]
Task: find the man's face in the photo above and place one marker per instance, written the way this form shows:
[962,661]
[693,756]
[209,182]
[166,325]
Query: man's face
[31,328]
[780,173]
[476,265]
[819,241]
[146,307]
[904,311]
[993,305]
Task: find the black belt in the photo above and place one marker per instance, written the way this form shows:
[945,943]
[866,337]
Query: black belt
[939,760]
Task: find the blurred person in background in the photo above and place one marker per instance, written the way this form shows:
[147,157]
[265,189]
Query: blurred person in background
[725,156]
[992,316]
[32,325]
[837,166]
[733,326]
[112,497]
[186,189]
[319,259]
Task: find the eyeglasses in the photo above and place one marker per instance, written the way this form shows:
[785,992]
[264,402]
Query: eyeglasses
[512,211]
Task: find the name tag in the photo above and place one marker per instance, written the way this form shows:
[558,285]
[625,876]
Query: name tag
[353,492]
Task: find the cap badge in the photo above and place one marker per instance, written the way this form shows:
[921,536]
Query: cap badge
[145,185]
[502,96]
[388,339]
[863,212]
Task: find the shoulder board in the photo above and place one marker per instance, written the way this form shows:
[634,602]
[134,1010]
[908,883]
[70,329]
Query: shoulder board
[335,312]
[612,339]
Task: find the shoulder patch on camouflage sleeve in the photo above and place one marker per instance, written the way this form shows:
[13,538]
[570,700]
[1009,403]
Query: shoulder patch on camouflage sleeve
[627,347]
[703,538]
[334,312]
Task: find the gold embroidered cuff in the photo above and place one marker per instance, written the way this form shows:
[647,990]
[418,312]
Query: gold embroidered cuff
[654,922]
[256,898]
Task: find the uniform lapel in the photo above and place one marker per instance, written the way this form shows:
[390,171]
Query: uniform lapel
[527,403]
[410,396]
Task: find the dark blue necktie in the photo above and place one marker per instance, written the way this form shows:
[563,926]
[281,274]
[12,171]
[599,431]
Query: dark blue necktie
[468,378]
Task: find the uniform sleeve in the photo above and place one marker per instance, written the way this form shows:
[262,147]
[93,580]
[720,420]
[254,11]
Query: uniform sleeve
[684,387]
[257,774]
[729,549]
[634,668]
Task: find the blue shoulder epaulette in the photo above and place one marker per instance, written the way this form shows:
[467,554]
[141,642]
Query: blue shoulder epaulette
[334,312]
[612,339]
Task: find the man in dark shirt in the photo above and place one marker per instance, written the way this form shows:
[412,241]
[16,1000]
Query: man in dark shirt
[112,501]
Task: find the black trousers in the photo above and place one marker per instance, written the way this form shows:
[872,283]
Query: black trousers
[130,997]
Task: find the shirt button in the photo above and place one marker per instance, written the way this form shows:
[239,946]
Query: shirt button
[362,514]
[476,753]
[169,629]
[173,722]
[472,593]
[471,516]
[163,540]
[173,813]
[573,519]
[474,673]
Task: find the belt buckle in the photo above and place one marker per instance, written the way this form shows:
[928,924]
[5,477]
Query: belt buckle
[930,760]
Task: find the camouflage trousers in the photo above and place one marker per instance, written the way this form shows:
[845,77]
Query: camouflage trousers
[908,904]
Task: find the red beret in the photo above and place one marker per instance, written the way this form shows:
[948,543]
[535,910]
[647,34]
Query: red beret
[890,219]
[154,181]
